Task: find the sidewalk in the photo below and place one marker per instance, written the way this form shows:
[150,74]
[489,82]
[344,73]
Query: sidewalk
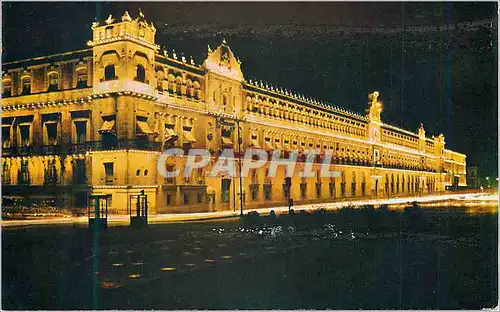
[184,217]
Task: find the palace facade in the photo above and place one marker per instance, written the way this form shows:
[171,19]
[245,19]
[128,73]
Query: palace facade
[95,121]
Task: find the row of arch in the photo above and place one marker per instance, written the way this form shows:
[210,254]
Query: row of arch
[52,81]
[295,113]
[176,83]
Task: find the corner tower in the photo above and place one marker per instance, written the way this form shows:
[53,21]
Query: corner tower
[124,54]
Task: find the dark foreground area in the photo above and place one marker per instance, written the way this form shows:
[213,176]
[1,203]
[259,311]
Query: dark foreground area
[349,259]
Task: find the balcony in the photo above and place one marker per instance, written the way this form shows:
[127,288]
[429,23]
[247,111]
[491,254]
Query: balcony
[42,97]
[80,148]
[115,145]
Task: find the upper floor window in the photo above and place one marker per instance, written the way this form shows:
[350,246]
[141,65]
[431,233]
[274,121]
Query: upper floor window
[51,133]
[109,72]
[6,135]
[81,79]
[81,131]
[50,124]
[26,83]
[6,172]
[53,82]
[25,134]
[7,88]
[109,31]
[141,74]
[108,173]
[224,103]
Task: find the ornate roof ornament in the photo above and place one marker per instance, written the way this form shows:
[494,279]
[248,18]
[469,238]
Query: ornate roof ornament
[421,130]
[374,107]
[191,60]
[109,20]
[94,25]
[126,17]
[174,55]
[223,62]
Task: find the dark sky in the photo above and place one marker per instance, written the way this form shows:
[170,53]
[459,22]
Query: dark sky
[445,79]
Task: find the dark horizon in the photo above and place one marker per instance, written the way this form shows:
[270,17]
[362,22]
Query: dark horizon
[445,79]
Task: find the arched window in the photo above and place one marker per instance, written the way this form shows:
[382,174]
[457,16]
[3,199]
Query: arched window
[160,76]
[109,31]
[81,79]
[26,83]
[141,74]
[53,81]
[109,72]
[7,88]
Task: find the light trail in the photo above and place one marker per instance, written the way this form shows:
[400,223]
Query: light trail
[184,217]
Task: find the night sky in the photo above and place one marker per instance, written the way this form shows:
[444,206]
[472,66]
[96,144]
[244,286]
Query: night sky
[445,79]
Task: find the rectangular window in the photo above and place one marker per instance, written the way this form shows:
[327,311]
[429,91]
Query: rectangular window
[81,131]
[24,133]
[225,188]
[51,133]
[199,198]
[318,189]
[185,198]
[6,136]
[303,190]
[109,174]
[254,191]
[267,191]
[331,188]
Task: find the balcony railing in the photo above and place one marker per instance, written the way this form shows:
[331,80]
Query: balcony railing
[80,148]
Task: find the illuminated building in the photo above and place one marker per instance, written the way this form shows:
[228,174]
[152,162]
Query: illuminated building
[95,121]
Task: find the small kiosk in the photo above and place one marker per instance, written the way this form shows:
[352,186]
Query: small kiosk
[138,210]
[98,210]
